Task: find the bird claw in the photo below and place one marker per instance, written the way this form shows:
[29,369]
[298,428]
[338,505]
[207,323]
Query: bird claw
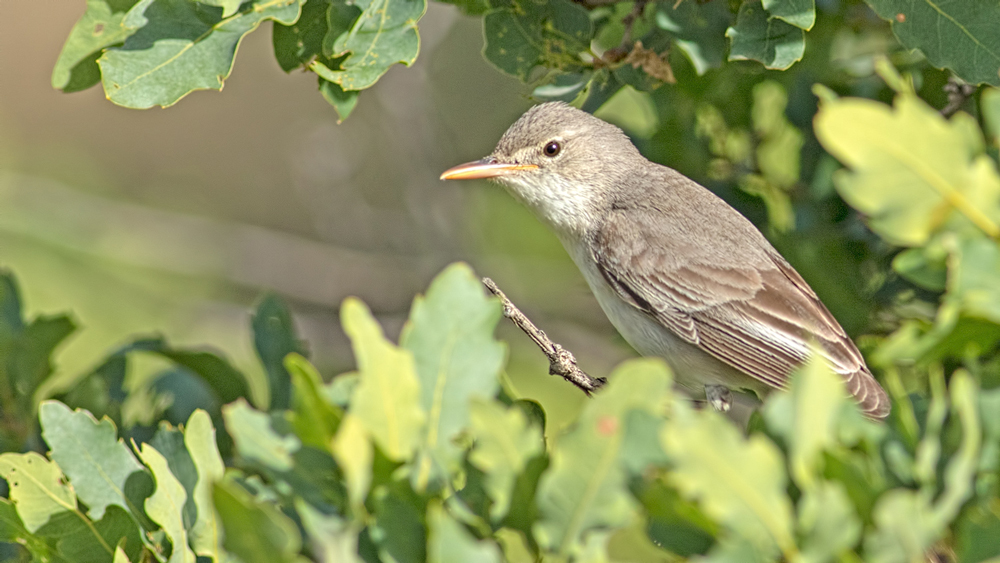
[719,396]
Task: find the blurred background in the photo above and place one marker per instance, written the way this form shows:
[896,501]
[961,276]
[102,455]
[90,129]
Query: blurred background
[175,221]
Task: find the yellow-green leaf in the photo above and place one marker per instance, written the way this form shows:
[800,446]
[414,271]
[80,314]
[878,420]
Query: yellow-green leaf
[740,482]
[806,417]
[199,439]
[450,333]
[353,451]
[387,397]
[166,505]
[37,488]
[505,442]
[911,170]
[585,487]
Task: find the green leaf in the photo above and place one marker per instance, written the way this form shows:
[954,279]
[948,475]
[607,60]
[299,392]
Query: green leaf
[698,29]
[352,448]
[962,466]
[449,542]
[973,280]
[523,34]
[169,443]
[800,13]
[25,363]
[828,522]
[924,266]
[274,337]
[256,532]
[989,104]
[29,363]
[298,44]
[37,488]
[910,168]
[961,36]
[586,484]
[343,101]
[340,19]
[504,443]
[739,482]
[384,34]
[181,47]
[734,550]
[166,505]
[81,541]
[399,531]
[387,398]
[905,527]
[12,529]
[256,440]
[59,530]
[780,149]
[331,537]
[564,87]
[225,380]
[909,522]
[315,420]
[633,111]
[976,533]
[11,321]
[758,36]
[450,333]
[807,418]
[675,523]
[340,389]
[101,26]
[229,7]
[97,463]
[206,531]
[102,392]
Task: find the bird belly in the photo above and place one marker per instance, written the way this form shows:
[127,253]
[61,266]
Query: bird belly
[693,368]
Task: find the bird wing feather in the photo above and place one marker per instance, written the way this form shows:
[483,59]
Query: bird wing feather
[746,306]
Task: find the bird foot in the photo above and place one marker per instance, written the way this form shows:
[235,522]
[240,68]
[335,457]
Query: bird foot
[719,396]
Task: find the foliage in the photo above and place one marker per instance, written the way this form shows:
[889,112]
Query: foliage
[424,454]
[154,52]
[409,459]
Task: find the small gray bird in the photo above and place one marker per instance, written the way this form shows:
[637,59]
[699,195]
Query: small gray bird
[680,273]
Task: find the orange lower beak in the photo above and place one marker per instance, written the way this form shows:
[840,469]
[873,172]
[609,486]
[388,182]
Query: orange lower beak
[486,168]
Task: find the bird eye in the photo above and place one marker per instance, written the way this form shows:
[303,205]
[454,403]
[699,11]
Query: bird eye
[552,148]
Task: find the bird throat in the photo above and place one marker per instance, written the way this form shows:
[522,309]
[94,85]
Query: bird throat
[566,206]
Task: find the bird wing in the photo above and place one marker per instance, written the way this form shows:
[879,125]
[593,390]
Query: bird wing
[735,298]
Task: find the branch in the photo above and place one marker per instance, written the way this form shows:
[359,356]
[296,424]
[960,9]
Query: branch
[618,53]
[958,92]
[561,360]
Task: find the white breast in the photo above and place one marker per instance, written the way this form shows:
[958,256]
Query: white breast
[693,368]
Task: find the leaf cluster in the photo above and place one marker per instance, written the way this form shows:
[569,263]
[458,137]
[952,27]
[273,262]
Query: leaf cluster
[420,455]
[154,52]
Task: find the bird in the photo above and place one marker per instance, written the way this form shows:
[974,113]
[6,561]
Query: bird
[678,272]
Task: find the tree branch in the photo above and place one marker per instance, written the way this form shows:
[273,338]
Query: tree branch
[958,92]
[618,53]
[561,361]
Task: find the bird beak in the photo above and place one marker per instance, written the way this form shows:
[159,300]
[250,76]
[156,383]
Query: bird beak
[485,168]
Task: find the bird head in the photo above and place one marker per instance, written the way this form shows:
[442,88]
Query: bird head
[563,163]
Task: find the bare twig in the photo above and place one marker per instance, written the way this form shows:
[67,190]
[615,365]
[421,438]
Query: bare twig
[618,53]
[561,360]
[958,92]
